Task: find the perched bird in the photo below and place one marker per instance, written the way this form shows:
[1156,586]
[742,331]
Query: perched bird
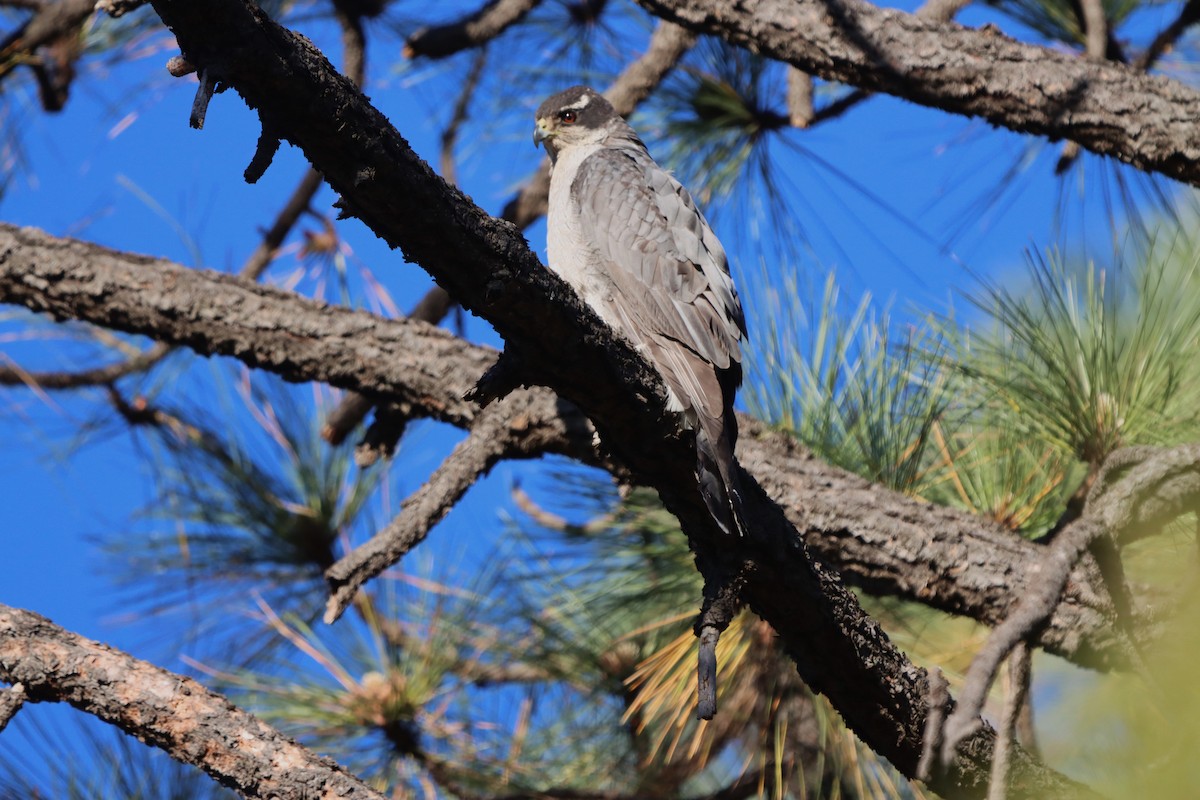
[629,239]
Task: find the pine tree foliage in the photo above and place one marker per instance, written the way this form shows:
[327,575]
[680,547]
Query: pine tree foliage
[559,659]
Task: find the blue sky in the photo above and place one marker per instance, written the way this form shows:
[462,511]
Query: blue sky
[147,183]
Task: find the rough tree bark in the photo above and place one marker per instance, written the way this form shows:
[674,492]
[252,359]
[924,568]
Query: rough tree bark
[488,268]
[890,544]
[303,339]
[1109,108]
[170,711]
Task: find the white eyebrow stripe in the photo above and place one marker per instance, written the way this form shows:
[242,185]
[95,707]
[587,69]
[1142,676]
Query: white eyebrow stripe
[579,104]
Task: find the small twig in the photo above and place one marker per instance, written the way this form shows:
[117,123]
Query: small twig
[11,700]
[382,437]
[354,67]
[799,98]
[51,22]
[501,379]
[1189,15]
[96,376]
[354,41]
[1139,489]
[433,307]
[933,10]
[204,93]
[1031,612]
[1067,157]
[554,522]
[345,417]
[460,114]
[706,673]
[178,66]
[1095,28]
[289,215]
[644,74]
[722,602]
[140,413]
[354,407]
[1026,733]
[937,700]
[1019,678]
[491,438]
[478,28]
[264,154]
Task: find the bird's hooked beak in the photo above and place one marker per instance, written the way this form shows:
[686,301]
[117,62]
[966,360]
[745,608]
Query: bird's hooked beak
[541,133]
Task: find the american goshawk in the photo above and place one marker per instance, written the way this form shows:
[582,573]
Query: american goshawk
[632,243]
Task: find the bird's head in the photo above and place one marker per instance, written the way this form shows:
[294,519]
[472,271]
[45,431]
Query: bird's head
[575,116]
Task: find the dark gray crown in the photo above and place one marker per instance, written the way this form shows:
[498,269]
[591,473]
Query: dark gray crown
[590,107]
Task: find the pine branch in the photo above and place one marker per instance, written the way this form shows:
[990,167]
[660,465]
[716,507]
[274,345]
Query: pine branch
[881,540]
[474,30]
[166,710]
[1108,108]
[837,648]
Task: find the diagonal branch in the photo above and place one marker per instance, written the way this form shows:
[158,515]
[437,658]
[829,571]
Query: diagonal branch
[1137,489]
[166,710]
[836,647]
[476,29]
[1189,15]
[883,541]
[1030,613]
[500,431]
[96,376]
[1108,108]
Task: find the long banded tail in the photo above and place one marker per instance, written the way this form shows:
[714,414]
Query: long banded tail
[717,474]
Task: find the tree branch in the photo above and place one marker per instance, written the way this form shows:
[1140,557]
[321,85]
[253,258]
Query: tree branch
[881,540]
[96,376]
[1108,108]
[479,28]
[500,431]
[1137,488]
[837,648]
[166,710]
[11,700]
[1189,15]
[1033,608]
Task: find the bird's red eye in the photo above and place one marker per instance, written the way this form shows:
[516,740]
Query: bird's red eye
[568,117]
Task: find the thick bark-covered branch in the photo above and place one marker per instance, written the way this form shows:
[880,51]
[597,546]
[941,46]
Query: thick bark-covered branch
[889,544]
[485,264]
[838,649]
[892,545]
[170,711]
[217,314]
[1149,121]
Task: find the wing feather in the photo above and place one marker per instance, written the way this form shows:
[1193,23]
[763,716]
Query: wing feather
[667,288]
[661,255]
